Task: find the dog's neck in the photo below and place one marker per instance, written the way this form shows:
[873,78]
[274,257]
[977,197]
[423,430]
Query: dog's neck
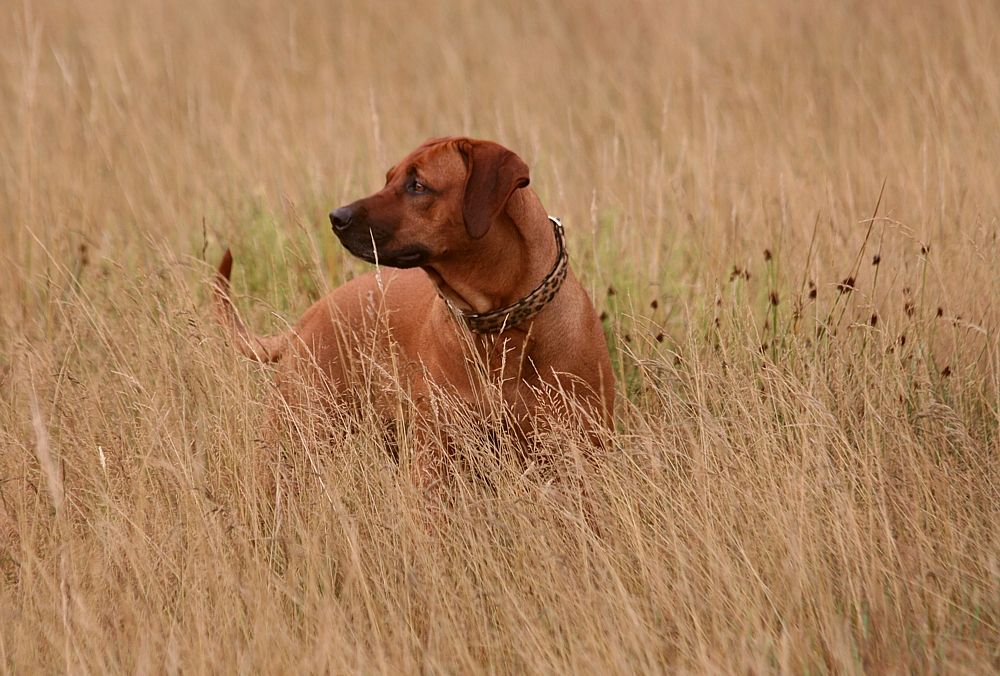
[505,265]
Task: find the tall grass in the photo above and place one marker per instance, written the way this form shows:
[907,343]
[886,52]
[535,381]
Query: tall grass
[788,213]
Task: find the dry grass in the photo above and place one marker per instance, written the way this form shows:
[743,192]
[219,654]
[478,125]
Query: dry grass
[806,468]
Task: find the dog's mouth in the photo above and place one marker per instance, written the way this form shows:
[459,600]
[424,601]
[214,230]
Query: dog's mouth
[407,257]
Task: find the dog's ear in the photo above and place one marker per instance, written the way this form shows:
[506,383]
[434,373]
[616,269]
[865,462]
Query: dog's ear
[492,175]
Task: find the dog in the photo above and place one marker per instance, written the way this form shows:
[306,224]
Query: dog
[476,287]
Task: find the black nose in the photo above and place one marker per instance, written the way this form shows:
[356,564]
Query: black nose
[341,218]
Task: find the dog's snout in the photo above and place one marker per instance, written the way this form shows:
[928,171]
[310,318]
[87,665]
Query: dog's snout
[341,218]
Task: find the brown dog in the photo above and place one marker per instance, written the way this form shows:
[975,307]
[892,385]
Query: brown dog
[481,288]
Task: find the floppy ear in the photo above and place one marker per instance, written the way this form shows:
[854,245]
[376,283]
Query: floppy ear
[493,173]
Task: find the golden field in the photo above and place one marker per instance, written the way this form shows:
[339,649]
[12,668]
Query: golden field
[788,212]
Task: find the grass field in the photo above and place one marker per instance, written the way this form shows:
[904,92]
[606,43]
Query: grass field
[788,212]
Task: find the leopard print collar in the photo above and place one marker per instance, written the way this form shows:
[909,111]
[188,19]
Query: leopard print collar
[496,321]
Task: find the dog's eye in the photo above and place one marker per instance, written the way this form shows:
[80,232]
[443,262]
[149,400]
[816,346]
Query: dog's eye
[417,187]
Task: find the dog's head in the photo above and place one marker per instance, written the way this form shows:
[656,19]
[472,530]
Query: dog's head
[436,202]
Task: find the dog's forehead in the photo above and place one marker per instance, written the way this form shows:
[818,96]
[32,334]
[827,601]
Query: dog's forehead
[439,160]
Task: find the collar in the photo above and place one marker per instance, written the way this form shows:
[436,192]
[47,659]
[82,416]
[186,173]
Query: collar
[496,321]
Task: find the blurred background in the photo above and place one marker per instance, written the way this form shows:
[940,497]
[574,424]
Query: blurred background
[787,213]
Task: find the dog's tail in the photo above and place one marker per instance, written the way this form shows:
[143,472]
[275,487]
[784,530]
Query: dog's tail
[258,348]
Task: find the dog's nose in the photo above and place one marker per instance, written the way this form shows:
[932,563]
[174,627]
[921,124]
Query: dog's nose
[341,218]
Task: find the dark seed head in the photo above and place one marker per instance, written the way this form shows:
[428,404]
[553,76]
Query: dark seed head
[940,312]
[659,337]
[773,297]
[902,339]
[874,319]
[611,291]
[946,371]
[846,286]
[924,248]
[876,259]
[812,292]
[767,254]
[909,308]
[604,316]
[655,304]
[628,338]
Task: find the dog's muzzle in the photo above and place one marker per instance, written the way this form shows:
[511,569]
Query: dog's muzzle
[371,242]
